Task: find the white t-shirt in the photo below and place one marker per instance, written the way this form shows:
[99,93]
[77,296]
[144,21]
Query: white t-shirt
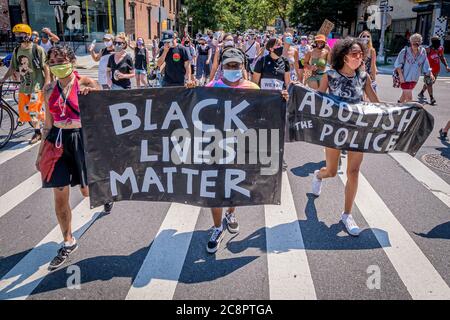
[102,66]
[46,46]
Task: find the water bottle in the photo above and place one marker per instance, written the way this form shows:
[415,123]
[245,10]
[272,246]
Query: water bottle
[92,46]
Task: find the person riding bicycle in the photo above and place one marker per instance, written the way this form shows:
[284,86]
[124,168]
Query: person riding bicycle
[28,60]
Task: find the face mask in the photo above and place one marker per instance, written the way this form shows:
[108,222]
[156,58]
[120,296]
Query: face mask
[203,46]
[118,47]
[232,75]
[229,43]
[187,44]
[365,40]
[304,42]
[61,71]
[108,43]
[22,39]
[436,44]
[140,42]
[278,51]
[288,40]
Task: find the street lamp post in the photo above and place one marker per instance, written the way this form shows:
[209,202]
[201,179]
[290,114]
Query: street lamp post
[384,5]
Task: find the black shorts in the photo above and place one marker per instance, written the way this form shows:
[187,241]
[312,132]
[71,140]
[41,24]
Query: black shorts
[70,169]
[300,65]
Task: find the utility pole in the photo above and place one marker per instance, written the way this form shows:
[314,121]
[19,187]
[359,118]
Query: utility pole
[384,9]
[159,20]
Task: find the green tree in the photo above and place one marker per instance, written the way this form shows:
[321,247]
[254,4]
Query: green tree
[311,13]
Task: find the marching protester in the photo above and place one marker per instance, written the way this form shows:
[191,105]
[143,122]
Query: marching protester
[28,60]
[370,62]
[303,48]
[316,61]
[252,50]
[435,54]
[443,132]
[348,83]
[291,53]
[46,40]
[176,59]
[410,64]
[192,54]
[141,62]
[103,57]
[204,53]
[233,64]
[272,70]
[120,67]
[61,158]
[216,68]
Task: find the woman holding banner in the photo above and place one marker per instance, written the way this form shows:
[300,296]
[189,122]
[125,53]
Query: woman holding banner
[233,61]
[348,83]
[61,157]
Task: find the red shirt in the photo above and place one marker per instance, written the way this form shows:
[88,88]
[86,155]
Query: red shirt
[434,57]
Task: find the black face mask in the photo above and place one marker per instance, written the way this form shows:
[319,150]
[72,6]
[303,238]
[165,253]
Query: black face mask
[278,51]
[186,44]
[22,39]
[436,44]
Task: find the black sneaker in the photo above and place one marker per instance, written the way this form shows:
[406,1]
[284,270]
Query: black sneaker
[107,207]
[432,101]
[443,135]
[214,240]
[421,96]
[232,223]
[61,257]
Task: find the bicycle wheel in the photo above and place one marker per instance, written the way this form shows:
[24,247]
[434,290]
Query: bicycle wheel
[6,125]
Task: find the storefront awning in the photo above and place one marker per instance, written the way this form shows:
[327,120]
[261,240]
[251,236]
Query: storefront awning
[423,8]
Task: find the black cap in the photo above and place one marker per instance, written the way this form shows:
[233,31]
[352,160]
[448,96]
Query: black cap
[233,55]
[167,36]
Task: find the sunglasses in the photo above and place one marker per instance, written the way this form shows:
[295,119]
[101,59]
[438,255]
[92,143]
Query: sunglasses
[356,54]
[118,43]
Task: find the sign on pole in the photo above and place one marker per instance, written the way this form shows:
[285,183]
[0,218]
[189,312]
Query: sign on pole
[56,2]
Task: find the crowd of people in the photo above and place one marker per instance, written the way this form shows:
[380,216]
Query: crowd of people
[50,86]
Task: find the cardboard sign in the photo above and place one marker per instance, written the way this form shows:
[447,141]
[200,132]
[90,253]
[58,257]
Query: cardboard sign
[326,28]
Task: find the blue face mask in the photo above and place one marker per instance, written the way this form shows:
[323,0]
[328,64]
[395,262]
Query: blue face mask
[232,75]
[289,40]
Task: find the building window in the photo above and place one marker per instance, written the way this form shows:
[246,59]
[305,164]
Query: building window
[132,15]
[149,19]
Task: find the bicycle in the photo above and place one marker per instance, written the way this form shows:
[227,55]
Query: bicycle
[8,115]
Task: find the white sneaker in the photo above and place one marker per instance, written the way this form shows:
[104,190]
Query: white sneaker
[316,184]
[350,224]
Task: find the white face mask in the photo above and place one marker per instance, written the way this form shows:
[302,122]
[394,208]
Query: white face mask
[229,43]
[108,43]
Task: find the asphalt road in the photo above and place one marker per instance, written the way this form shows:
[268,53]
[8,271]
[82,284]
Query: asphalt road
[298,250]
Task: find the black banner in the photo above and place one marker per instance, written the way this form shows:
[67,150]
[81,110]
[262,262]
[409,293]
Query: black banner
[366,127]
[211,147]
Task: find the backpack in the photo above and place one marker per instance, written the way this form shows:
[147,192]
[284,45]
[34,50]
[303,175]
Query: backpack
[37,63]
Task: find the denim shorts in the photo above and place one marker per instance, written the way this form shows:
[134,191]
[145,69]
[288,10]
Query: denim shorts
[139,71]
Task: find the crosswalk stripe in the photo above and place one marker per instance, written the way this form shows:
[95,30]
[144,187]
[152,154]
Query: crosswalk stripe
[158,276]
[424,175]
[7,154]
[26,275]
[413,267]
[19,193]
[288,268]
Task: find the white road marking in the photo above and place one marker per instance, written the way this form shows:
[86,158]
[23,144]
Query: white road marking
[8,154]
[288,268]
[430,180]
[26,275]
[413,267]
[158,276]
[19,193]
